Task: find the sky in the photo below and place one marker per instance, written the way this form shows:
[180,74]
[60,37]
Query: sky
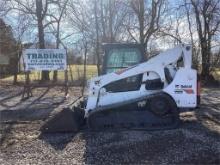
[31,34]
[161,43]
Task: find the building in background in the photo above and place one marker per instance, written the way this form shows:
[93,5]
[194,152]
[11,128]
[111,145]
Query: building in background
[7,48]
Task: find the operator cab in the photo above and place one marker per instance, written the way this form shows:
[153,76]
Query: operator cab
[121,56]
[118,57]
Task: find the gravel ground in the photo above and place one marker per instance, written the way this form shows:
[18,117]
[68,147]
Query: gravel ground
[196,141]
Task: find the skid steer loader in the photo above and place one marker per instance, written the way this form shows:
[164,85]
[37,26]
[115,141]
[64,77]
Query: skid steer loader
[133,93]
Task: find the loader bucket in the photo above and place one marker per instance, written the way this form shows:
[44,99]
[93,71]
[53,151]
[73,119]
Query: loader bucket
[67,120]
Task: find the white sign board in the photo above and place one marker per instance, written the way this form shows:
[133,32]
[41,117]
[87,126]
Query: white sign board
[45,59]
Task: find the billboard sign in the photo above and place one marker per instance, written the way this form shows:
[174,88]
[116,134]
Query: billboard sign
[45,59]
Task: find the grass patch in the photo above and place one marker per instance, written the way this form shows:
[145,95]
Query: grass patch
[75,72]
[216,74]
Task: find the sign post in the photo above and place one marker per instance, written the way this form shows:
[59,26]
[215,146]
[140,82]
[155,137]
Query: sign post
[44,60]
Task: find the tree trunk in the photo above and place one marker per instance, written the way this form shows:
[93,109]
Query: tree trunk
[206,52]
[84,69]
[55,76]
[205,68]
[205,62]
[203,18]
[141,24]
[104,38]
[15,68]
[57,46]
[97,39]
[141,21]
[111,21]
[39,10]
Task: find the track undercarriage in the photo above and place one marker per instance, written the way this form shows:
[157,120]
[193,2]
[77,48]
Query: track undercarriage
[154,112]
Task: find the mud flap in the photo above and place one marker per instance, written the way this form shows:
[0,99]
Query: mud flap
[67,120]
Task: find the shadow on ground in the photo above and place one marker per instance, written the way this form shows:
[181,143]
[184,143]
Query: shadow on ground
[29,113]
[196,141]
[25,112]
[34,108]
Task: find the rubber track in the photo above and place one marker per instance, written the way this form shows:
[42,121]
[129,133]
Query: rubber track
[130,116]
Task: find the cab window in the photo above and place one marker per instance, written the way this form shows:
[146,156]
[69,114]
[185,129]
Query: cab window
[122,58]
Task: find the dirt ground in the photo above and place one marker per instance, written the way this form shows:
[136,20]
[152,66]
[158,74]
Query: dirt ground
[196,141]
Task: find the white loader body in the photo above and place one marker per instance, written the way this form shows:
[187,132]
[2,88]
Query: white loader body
[182,88]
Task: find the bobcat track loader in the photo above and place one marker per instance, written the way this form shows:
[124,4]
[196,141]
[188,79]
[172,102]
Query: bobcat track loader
[133,95]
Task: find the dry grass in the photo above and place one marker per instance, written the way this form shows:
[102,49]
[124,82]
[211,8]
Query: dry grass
[216,74]
[74,72]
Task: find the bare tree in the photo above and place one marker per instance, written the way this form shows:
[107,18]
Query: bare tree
[54,24]
[149,15]
[195,49]
[41,13]
[97,38]
[111,19]
[22,26]
[38,10]
[85,48]
[207,16]
[101,21]
[3,8]
[172,29]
